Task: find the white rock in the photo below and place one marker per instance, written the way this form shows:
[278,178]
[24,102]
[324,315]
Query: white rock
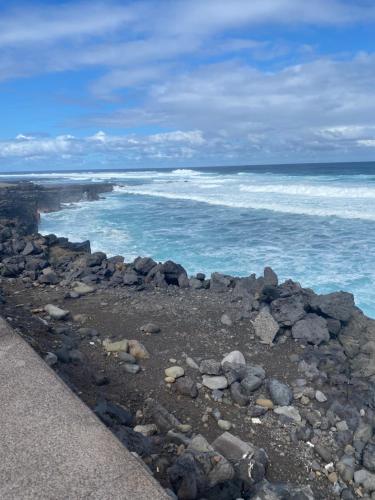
[119,346]
[215,382]
[265,326]
[234,357]
[226,320]
[83,289]
[224,425]
[146,430]
[55,312]
[320,396]
[288,411]
[174,372]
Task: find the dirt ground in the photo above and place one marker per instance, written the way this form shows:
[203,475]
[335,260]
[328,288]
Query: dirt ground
[190,326]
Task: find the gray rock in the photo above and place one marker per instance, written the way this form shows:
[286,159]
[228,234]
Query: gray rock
[265,326]
[320,396]
[55,312]
[270,277]
[366,479]
[50,358]
[143,265]
[213,382]
[238,395]
[232,447]
[288,310]
[156,413]
[281,394]
[128,358]
[234,357]
[323,452]
[131,368]
[195,283]
[226,320]
[210,367]
[220,282]
[312,329]
[290,412]
[150,328]
[251,383]
[130,278]
[186,386]
[336,305]
[369,457]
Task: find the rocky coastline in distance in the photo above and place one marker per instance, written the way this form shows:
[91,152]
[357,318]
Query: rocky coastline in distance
[225,387]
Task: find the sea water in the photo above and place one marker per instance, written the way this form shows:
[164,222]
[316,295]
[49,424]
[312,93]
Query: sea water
[312,223]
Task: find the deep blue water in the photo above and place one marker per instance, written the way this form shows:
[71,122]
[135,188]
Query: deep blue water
[313,223]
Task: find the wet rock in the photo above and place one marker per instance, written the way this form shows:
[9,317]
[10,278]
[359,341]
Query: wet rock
[336,305]
[118,346]
[281,394]
[290,412]
[265,326]
[287,311]
[187,387]
[215,382]
[210,367]
[174,372]
[55,312]
[311,329]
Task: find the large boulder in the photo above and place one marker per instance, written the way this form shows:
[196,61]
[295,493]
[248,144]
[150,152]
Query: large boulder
[143,265]
[288,310]
[311,329]
[221,282]
[336,305]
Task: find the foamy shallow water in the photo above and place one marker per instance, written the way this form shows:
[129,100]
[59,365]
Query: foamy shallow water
[314,225]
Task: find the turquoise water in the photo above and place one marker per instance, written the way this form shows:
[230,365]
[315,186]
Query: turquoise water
[315,224]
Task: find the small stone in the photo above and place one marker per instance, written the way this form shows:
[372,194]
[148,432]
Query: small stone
[83,289]
[224,425]
[251,383]
[290,412]
[323,452]
[281,394]
[235,357]
[226,320]
[332,477]
[174,371]
[213,382]
[320,396]
[342,426]
[138,350]
[100,379]
[150,328]
[187,387]
[265,403]
[192,364]
[50,358]
[131,368]
[146,430]
[184,428]
[128,358]
[366,479]
[169,380]
[118,346]
[210,367]
[55,312]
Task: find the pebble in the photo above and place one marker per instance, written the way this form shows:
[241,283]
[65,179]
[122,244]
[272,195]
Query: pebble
[174,372]
[150,328]
[50,358]
[169,380]
[138,350]
[265,403]
[226,320]
[192,364]
[320,396]
[119,346]
[215,382]
[224,425]
[290,412]
[146,430]
[55,312]
[234,357]
[131,368]
[128,358]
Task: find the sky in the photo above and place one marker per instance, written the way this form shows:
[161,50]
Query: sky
[179,83]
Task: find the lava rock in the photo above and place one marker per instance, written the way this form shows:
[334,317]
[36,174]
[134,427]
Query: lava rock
[287,311]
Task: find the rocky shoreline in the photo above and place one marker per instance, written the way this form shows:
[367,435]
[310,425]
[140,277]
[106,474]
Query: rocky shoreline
[226,387]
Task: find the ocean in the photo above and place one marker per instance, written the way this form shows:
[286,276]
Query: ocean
[312,223]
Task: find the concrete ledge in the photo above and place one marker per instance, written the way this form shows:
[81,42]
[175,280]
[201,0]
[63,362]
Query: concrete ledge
[52,446]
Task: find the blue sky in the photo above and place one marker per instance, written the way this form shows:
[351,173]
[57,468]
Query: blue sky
[185,83]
